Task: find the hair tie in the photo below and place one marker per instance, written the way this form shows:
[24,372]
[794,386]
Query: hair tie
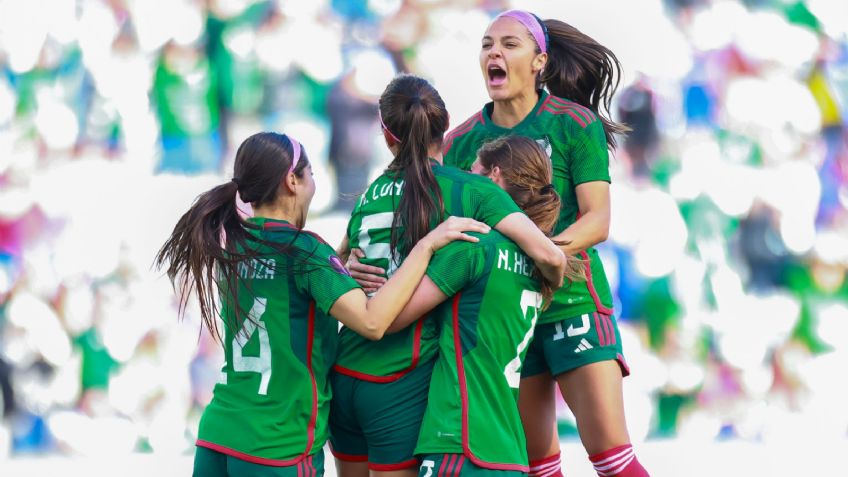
[547,188]
[236,181]
[533,24]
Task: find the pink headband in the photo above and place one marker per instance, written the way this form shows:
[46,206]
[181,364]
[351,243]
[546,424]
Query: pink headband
[386,127]
[295,153]
[532,23]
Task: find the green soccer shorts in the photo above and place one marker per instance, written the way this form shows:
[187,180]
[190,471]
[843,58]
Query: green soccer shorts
[574,342]
[379,422]
[210,463]
[457,465]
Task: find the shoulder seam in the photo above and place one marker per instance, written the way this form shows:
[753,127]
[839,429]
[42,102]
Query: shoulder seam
[462,129]
[557,106]
[585,112]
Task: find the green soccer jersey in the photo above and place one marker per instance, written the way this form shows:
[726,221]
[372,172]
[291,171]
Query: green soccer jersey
[486,326]
[271,403]
[369,229]
[574,140]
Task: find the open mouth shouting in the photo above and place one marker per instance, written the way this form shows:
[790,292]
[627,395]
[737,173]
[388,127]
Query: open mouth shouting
[496,75]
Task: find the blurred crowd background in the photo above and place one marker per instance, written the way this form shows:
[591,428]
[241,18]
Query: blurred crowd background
[728,248]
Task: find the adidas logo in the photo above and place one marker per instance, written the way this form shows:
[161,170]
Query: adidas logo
[583,346]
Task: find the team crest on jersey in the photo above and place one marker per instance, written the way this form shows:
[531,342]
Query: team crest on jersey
[545,144]
[337,265]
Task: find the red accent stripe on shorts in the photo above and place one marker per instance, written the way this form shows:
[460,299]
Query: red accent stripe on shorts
[348,457]
[449,460]
[604,327]
[441,472]
[247,457]
[611,328]
[625,368]
[407,464]
[300,469]
[458,469]
[599,329]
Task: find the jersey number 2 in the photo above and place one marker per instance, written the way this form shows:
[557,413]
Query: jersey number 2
[253,364]
[529,300]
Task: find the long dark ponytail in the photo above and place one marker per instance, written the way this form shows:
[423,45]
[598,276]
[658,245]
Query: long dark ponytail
[582,70]
[211,240]
[415,114]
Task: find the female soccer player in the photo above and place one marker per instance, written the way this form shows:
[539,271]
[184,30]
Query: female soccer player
[472,424]
[577,344]
[278,286]
[375,425]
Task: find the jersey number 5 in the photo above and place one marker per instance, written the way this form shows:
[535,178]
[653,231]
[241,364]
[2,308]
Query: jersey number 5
[253,364]
[530,300]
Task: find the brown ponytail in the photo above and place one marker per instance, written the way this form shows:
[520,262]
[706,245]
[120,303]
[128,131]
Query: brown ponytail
[582,70]
[526,171]
[414,112]
[209,242]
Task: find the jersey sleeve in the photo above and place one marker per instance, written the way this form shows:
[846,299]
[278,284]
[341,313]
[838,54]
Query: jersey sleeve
[487,202]
[324,277]
[588,156]
[449,153]
[458,151]
[455,266]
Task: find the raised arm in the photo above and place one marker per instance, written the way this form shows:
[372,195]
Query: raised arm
[547,256]
[371,318]
[592,226]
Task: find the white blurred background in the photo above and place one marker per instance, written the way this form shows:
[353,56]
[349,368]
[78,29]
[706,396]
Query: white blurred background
[727,253]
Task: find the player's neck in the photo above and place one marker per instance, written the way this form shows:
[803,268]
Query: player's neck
[433,152]
[510,112]
[278,211]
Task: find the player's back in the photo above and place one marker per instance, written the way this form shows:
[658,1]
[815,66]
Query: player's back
[486,326]
[370,228]
[270,402]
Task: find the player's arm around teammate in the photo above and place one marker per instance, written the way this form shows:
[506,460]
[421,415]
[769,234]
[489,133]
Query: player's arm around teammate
[472,425]
[577,345]
[381,386]
[275,288]
[519,166]
[414,120]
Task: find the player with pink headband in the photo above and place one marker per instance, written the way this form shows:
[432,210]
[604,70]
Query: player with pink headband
[278,291]
[380,388]
[550,82]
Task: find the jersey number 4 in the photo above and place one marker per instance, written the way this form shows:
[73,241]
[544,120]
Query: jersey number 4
[530,303]
[253,364]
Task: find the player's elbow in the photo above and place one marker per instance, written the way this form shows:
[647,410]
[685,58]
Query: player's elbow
[554,258]
[373,332]
[603,228]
